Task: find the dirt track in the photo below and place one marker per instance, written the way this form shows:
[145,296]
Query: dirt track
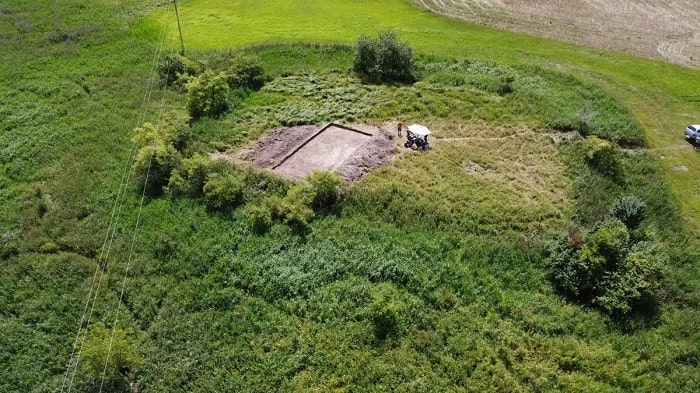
[657,29]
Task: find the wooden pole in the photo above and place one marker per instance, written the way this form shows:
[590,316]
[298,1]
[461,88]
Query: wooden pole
[182,42]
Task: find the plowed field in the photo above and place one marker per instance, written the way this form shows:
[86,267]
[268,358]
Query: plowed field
[657,29]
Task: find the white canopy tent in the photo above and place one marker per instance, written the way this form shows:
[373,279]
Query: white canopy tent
[419,130]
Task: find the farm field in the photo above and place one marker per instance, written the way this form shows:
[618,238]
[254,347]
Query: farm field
[662,30]
[130,261]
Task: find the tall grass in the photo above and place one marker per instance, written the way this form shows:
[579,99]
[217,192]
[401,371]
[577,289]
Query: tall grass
[218,307]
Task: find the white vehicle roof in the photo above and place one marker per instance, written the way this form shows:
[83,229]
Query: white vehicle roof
[419,129]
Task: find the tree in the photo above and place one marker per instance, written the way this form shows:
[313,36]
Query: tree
[608,270]
[207,94]
[384,60]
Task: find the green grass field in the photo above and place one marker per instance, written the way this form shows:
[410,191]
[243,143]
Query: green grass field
[662,96]
[450,296]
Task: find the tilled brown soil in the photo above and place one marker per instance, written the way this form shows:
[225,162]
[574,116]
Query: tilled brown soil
[290,152]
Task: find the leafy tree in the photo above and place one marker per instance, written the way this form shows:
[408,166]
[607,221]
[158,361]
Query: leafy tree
[207,94]
[111,354]
[160,149]
[384,60]
[607,270]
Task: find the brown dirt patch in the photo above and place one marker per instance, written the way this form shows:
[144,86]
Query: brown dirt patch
[294,152]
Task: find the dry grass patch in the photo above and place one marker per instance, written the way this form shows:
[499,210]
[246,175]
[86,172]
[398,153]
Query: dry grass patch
[484,184]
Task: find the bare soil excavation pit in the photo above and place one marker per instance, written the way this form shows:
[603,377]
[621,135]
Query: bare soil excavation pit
[295,152]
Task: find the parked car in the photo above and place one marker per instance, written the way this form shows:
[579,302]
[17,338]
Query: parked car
[692,132]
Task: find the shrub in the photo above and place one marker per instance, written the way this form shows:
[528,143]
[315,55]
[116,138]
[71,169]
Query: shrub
[174,67]
[207,95]
[295,206]
[604,249]
[189,178]
[630,210]
[366,63]
[118,364]
[385,312]
[325,188]
[608,271]
[637,282]
[562,258]
[160,149]
[224,190]
[603,156]
[246,72]
[384,60]
[260,217]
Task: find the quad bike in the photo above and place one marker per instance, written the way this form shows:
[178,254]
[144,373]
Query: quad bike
[418,141]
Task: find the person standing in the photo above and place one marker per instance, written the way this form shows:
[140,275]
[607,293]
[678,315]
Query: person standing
[399,127]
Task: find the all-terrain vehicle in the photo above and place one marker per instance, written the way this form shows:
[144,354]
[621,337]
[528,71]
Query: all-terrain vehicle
[417,137]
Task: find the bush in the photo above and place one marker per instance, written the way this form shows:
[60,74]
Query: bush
[207,95]
[189,178]
[603,156]
[566,274]
[295,206]
[224,190]
[160,150]
[608,271]
[325,188]
[174,67]
[384,60]
[260,217]
[385,312]
[246,72]
[630,210]
[116,365]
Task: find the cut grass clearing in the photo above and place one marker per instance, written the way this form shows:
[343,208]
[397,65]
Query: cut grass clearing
[663,96]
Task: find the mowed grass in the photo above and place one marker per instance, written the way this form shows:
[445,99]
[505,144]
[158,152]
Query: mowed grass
[664,97]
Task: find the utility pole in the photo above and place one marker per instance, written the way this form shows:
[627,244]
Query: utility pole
[182,43]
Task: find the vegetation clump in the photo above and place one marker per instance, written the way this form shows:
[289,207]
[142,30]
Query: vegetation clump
[110,357]
[385,59]
[607,267]
[160,149]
